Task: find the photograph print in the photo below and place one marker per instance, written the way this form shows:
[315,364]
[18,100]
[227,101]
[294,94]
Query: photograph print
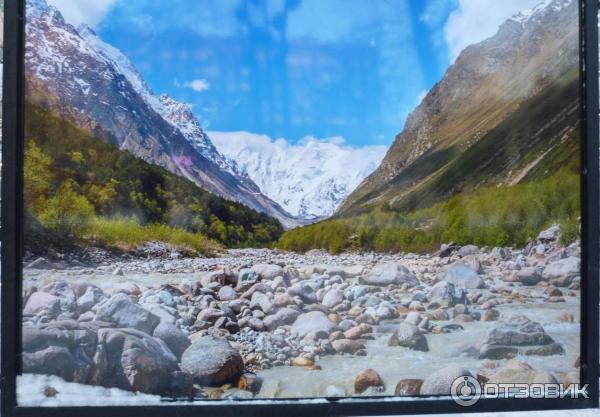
[298,199]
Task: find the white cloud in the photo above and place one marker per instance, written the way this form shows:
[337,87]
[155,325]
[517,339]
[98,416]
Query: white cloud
[197,85]
[421,96]
[89,12]
[476,20]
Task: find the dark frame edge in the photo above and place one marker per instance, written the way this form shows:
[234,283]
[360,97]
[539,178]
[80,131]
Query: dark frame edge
[12,239]
[590,196]
[12,129]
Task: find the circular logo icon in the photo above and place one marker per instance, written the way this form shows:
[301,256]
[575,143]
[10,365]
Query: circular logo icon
[465,391]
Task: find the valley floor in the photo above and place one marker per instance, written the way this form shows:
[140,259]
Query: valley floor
[259,323]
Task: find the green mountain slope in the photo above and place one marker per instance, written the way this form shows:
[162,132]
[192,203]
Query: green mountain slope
[517,179]
[78,186]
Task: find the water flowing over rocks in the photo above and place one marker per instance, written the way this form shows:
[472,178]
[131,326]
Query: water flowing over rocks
[249,322]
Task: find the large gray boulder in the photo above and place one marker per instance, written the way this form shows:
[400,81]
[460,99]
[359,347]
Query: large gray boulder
[517,336]
[62,348]
[315,322]
[440,382]
[246,278]
[268,271]
[119,309]
[92,296]
[446,294]
[461,276]
[561,273]
[132,360]
[528,276]
[173,337]
[227,293]
[386,273]
[262,302]
[408,335]
[40,301]
[212,361]
[332,298]
[305,291]
[516,372]
[282,317]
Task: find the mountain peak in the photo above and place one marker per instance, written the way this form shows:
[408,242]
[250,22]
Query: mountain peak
[534,13]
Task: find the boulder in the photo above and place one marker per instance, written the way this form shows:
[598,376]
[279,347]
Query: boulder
[40,263]
[262,302]
[313,322]
[463,277]
[119,309]
[490,315]
[368,379]
[303,290]
[251,382]
[528,276]
[561,273]
[446,294]
[518,372]
[89,299]
[333,298]
[440,382]
[221,276]
[62,348]
[40,301]
[212,361]
[409,387]
[227,293]
[386,273]
[549,235]
[132,360]
[164,313]
[468,250]
[408,335]
[173,337]
[246,278]
[267,271]
[347,346]
[518,335]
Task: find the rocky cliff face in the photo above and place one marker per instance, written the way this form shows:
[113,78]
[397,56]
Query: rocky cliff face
[76,75]
[488,82]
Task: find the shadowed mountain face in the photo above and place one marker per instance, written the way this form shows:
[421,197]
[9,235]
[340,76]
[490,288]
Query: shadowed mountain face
[501,114]
[78,77]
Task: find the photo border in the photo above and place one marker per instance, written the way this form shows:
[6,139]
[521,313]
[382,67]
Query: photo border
[12,215]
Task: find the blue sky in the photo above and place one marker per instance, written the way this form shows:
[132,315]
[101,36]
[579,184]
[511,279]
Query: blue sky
[294,68]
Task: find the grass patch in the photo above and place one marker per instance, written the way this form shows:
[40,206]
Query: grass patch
[128,234]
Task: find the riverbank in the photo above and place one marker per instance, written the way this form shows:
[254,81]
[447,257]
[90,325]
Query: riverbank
[258,323]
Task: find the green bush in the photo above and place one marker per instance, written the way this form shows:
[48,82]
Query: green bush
[67,213]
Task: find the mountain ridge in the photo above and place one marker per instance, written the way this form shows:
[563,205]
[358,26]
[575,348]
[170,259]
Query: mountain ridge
[309,179]
[479,91]
[90,77]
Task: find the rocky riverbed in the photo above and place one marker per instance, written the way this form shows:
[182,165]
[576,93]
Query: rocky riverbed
[258,323]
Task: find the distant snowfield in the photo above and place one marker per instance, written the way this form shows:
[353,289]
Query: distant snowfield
[309,179]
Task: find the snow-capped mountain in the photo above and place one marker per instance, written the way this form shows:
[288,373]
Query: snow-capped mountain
[308,179]
[92,84]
